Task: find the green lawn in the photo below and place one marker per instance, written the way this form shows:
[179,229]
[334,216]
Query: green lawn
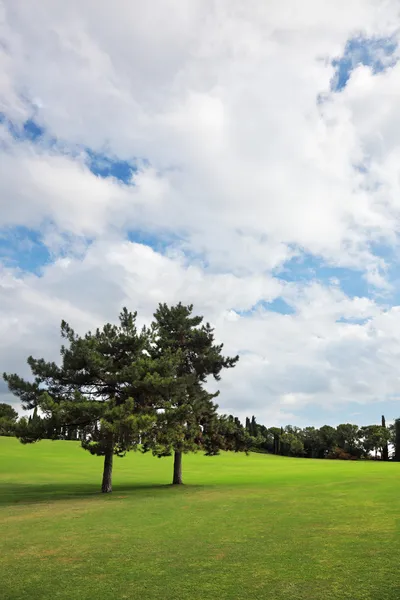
[250,527]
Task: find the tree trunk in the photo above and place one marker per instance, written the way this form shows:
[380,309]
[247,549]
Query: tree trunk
[177,480]
[106,486]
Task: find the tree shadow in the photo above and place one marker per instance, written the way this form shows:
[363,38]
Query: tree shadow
[17,494]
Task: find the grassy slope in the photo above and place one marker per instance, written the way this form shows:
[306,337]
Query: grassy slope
[245,527]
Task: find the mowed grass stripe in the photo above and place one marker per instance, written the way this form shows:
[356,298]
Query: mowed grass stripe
[242,527]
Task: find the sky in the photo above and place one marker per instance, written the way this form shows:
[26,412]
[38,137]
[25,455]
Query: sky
[240,156]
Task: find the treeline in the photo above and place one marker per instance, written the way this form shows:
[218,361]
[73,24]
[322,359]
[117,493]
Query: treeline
[11,426]
[346,441]
[120,388]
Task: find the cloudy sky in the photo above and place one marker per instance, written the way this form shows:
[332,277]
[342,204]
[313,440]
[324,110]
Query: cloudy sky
[240,156]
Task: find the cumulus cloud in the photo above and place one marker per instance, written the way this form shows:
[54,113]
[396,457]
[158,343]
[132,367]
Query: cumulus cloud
[244,157]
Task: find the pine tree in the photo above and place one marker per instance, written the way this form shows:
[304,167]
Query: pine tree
[93,389]
[189,409]
[248,426]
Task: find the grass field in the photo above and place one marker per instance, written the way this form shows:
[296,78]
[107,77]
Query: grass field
[243,527]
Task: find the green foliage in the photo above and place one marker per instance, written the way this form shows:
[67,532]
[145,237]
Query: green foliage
[385,446]
[8,412]
[374,438]
[313,445]
[397,440]
[92,389]
[291,445]
[329,438]
[247,425]
[260,438]
[8,419]
[348,438]
[227,433]
[188,411]
[345,441]
[179,333]
[179,425]
[276,433]
[118,387]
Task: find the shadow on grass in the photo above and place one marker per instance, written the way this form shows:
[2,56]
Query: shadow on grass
[12,494]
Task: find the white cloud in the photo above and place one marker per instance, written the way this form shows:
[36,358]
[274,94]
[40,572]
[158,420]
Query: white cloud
[247,169]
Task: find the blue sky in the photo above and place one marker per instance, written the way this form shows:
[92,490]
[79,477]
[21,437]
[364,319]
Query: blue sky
[375,53]
[218,180]
[23,249]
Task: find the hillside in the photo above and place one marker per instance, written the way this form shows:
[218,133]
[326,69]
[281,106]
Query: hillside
[244,526]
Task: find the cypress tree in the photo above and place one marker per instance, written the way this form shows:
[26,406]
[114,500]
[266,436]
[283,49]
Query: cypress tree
[281,444]
[397,440]
[276,439]
[385,447]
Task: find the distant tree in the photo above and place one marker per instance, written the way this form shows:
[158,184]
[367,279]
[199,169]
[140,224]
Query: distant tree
[8,412]
[225,433]
[8,419]
[261,438]
[247,426]
[293,446]
[391,430]
[385,447]
[189,408]
[266,439]
[348,437]
[328,437]
[313,444]
[347,441]
[276,435]
[36,427]
[397,440]
[281,446]
[374,438]
[93,389]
